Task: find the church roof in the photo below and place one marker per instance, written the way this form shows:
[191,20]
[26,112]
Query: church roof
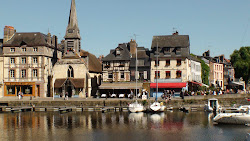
[29,39]
[72,29]
[93,63]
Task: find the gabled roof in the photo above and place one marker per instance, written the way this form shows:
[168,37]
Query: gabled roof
[93,63]
[29,39]
[171,41]
[124,54]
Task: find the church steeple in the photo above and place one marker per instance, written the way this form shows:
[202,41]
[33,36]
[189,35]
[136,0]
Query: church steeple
[72,29]
[72,36]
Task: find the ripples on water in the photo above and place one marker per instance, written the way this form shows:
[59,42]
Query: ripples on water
[117,126]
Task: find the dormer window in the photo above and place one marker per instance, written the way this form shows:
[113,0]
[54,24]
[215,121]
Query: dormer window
[35,49]
[24,49]
[12,49]
[118,52]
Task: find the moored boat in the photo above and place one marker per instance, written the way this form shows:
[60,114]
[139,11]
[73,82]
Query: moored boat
[135,107]
[157,107]
[242,116]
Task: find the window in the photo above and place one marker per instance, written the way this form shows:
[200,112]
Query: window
[12,73]
[12,60]
[70,72]
[157,74]
[122,64]
[35,49]
[140,62]
[178,51]
[70,45]
[23,74]
[35,73]
[122,75]
[23,60]
[157,63]
[145,75]
[168,75]
[178,62]
[167,62]
[110,75]
[118,52]
[178,74]
[167,50]
[12,49]
[70,31]
[35,60]
[24,49]
[106,64]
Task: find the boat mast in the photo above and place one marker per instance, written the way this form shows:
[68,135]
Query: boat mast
[136,70]
[157,72]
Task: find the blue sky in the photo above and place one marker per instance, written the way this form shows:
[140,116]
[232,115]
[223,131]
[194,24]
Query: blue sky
[219,25]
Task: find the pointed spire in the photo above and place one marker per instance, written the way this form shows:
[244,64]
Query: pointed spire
[73,17]
[72,29]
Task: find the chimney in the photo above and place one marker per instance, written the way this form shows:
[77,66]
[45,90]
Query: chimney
[49,39]
[54,41]
[176,33]
[133,47]
[9,31]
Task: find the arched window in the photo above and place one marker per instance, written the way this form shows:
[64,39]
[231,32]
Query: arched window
[70,72]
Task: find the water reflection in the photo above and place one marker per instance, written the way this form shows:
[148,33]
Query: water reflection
[114,126]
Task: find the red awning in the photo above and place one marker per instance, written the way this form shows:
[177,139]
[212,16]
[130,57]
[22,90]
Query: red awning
[168,85]
[196,83]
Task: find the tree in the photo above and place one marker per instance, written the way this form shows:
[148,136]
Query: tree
[240,60]
[204,72]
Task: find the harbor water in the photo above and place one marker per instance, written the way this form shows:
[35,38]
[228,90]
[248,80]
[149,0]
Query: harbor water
[114,126]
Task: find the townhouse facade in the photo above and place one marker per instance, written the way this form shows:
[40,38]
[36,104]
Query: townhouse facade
[27,64]
[171,64]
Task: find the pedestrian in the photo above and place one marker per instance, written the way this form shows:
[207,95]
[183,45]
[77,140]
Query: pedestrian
[86,95]
[19,95]
[66,96]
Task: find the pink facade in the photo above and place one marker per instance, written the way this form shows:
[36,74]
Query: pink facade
[216,77]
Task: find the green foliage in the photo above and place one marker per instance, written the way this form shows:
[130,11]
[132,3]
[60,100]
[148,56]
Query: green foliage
[144,102]
[204,72]
[240,60]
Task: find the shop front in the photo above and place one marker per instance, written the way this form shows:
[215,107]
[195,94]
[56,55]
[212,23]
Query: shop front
[26,88]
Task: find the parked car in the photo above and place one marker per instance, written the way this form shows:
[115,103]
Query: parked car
[103,95]
[121,95]
[113,96]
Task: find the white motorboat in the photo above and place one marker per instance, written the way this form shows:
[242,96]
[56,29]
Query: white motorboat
[213,102]
[135,107]
[157,107]
[242,116]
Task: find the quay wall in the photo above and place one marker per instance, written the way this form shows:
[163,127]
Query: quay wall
[189,101]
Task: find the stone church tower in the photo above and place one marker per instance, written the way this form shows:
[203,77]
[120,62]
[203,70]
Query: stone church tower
[78,72]
[72,44]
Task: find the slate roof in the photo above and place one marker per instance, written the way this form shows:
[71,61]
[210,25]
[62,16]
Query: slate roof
[171,41]
[193,58]
[125,54]
[94,64]
[76,82]
[29,39]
